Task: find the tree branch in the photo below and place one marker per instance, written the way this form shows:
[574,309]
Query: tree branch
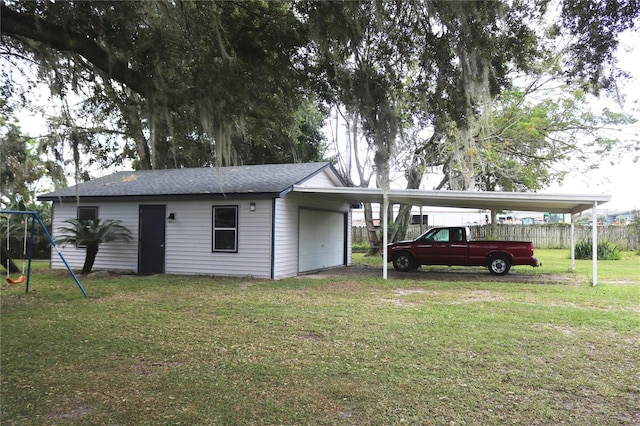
[20,26]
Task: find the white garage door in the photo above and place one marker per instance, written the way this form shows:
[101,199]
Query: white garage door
[322,240]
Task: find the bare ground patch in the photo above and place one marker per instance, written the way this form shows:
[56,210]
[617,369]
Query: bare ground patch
[398,302]
[343,285]
[72,414]
[471,274]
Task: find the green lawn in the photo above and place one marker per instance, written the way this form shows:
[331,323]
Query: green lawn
[324,350]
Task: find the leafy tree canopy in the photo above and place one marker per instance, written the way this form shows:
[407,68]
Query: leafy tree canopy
[21,166]
[187,82]
[193,83]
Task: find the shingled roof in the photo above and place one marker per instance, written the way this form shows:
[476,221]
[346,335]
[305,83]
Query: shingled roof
[268,180]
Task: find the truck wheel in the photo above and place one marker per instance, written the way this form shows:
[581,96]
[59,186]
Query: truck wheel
[403,262]
[499,265]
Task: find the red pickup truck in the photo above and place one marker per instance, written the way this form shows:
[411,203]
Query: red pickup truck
[450,246]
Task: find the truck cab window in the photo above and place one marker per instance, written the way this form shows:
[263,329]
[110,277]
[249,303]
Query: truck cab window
[442,236]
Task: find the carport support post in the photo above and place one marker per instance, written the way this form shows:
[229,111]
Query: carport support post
[594,245]
[573,244]
[385,228]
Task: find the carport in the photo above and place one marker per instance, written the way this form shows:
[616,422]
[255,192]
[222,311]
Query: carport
[525,201]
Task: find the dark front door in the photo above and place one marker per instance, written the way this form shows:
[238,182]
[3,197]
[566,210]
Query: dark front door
[151,239]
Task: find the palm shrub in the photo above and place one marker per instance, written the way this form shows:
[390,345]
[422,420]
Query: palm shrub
[606,250]
[92,233]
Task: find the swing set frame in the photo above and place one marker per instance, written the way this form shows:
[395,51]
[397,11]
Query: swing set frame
[36,218]
[9,261]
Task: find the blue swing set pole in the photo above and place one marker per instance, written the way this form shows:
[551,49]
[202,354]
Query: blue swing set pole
[53,244]
[33,230]
[36,216]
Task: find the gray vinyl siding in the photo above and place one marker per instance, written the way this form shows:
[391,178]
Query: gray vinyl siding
[285,261]
[189,240]
[321,180]
[119,255]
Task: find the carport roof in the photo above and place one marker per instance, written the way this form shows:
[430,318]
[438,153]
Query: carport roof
[523,201]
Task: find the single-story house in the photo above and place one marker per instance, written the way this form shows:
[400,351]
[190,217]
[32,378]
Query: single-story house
[231,221]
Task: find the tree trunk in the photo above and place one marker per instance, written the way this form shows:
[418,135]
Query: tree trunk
[136,131]
[375,243]
[89,259]
[401,224]
[414,177]
[493,230]
[131,106]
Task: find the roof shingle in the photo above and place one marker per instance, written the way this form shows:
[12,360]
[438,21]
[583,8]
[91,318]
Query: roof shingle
[260,179]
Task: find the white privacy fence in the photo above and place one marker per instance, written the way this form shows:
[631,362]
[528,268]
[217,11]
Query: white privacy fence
[543,236]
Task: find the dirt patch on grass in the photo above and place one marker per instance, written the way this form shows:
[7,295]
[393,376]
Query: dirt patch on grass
[401,292]
[72,414]
[482,296]
[470,297]
[471,274]
[407,292]
[343,285]
[398,302]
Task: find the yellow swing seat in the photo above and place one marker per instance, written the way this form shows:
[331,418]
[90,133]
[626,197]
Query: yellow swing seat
[20,280]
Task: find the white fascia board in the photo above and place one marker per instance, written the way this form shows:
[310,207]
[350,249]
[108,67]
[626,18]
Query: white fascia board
[525,201]
[553,203]
[371,195]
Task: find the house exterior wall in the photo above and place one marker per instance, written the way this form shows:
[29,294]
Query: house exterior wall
[325,179]
[286,229]
[285,238]
[120,255]
[188,246]
[189,240]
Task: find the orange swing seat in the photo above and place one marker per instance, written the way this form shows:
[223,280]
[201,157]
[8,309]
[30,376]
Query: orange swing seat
[20,280]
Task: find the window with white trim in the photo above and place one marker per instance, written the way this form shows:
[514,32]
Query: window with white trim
[225,229]
[85,216]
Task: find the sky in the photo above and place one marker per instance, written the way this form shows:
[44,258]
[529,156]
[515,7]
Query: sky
[621,179]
